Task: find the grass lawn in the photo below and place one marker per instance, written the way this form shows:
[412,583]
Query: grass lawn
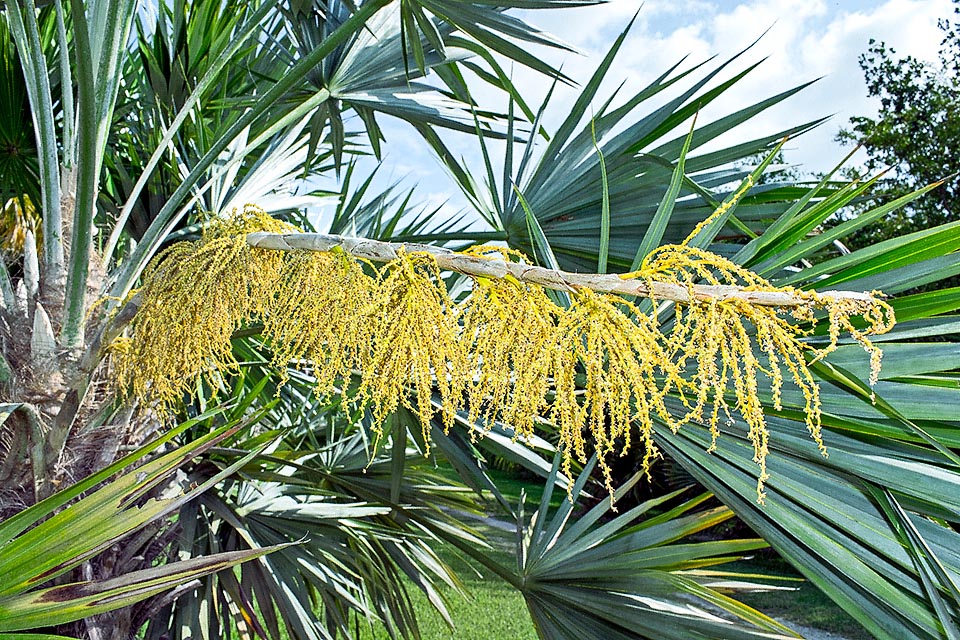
[491,609]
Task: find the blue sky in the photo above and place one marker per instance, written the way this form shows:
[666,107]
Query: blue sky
[804,40]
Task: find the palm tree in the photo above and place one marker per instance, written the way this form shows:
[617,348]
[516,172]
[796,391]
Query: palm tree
[155,117]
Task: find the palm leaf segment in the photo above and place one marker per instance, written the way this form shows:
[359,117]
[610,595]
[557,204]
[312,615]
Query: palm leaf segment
[558,191]
[52,537]
[618,576]
[895,465]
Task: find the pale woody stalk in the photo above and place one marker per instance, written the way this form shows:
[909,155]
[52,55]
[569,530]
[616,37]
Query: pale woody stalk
[378,251]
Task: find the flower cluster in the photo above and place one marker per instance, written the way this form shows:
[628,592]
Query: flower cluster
[727,343]
[507,352]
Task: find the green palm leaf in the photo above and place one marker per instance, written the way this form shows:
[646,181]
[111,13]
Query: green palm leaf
[832,517]
[563,185]
[46,540]
[620,576]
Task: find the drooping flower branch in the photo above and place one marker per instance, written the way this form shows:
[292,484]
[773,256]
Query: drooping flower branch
[505,352]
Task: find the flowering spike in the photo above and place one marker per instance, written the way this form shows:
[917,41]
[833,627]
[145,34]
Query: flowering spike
[504,353]
[414,341]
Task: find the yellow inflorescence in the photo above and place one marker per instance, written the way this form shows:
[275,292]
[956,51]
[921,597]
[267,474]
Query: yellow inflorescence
[506,353]
[195,296]
[625,360]
[415,343]
[17,217]
[318,313]
[509,329]
[716,335]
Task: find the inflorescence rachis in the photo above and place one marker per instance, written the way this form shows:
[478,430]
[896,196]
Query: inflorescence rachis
[507,352]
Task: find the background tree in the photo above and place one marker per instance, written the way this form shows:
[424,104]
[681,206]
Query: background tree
[915,134]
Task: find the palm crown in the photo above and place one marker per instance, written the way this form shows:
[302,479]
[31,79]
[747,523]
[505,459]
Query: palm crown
[140,121]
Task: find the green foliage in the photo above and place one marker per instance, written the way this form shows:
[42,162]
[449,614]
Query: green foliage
[46,540]
[19,168]
[360,548]
[219,104]
[613,576]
